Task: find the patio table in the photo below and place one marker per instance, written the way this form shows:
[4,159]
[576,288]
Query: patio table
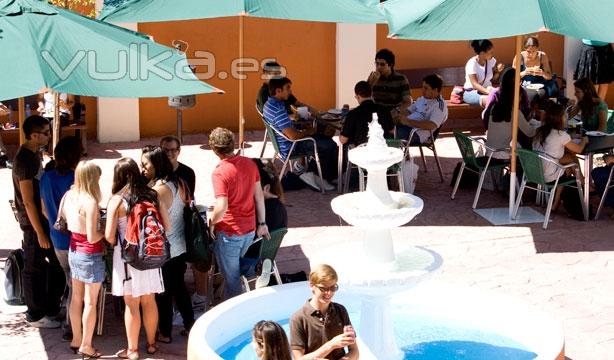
[596,145]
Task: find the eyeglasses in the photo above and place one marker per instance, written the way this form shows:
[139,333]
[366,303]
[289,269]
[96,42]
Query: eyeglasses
[383,63]
[167,150]
[46,133]
[324,289]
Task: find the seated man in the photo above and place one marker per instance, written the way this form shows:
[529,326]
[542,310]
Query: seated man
[428,113]
[271,70]
[275,114]
[390,88]
[321,329]
[356,125]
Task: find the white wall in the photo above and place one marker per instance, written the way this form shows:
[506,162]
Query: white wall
[356,48]
[571,53]
[118,118]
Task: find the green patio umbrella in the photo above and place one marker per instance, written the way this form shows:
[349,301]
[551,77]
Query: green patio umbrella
[47,47]
[340,11]
[479,19]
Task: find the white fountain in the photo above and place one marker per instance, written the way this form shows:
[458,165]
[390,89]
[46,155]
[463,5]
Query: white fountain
[376,271]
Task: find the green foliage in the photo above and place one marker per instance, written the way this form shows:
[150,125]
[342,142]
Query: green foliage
[84,7]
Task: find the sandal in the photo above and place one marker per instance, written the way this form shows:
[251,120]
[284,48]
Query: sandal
[153,346]
[164,339]
[95,355]
[128,354]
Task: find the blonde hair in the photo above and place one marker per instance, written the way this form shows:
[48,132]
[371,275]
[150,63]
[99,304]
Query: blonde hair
[322,273]
[222,141]
[87,176]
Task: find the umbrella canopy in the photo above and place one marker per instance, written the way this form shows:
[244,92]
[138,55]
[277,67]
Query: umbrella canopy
[343,11]
[47,47]
[472,19]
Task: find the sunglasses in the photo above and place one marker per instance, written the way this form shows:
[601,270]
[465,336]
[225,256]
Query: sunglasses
[324,289]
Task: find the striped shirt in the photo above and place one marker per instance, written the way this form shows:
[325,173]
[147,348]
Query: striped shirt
[391,91]
[275,114]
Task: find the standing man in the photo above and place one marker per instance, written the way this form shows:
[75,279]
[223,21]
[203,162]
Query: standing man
[239,210]
[43,277]
[390,88]
[321,329]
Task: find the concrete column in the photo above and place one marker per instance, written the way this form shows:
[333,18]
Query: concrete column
[118,118]
[571,53]
[356,48]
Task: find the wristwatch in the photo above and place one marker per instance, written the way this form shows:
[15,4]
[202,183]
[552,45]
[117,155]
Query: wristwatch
[261,224]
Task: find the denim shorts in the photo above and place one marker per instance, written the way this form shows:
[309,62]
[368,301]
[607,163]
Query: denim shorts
[471,97]
[88,268]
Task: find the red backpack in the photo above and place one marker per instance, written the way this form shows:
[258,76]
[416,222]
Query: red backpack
[145,245]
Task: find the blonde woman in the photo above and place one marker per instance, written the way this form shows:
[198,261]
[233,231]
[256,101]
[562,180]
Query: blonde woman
[80,209]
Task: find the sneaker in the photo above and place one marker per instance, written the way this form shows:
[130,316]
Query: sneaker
[297,168]
[309,178]
[265,276]
[45,323]
[328,186]
[199,301]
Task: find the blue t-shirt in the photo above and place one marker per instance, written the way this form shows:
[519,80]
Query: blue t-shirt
[275,114]
[52,187]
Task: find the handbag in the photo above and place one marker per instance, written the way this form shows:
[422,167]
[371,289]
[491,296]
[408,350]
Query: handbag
[197,235]
[60,221]
[456,96]
[410,175]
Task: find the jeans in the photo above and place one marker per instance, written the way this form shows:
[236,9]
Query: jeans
[228,250]
[327,152]
[43,278]
[403,132]
[174,288]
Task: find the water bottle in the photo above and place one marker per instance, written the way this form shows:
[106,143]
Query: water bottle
[28,111]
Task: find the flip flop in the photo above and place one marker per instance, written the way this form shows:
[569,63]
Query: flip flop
[95,355]
[153,346]
[128,354]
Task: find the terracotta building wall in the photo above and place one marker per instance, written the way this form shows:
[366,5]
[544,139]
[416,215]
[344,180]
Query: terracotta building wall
[306,49]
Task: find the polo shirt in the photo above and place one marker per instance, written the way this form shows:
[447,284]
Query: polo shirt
[310,329]
[275,114]
[234,178]
[433,110]
[392,90]
[264,94]
[356,124]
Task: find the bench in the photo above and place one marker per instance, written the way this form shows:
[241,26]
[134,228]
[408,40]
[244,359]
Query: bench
[460,116]
[80,130]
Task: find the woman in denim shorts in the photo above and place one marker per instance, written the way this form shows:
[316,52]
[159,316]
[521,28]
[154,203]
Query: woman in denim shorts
[80,209]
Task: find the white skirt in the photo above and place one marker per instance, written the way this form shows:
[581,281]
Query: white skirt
[142,282]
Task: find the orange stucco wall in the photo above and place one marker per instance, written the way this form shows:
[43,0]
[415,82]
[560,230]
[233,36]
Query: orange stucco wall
[306,49]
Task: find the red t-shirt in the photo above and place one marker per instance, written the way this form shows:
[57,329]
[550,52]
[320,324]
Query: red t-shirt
[234,178]
[79,243]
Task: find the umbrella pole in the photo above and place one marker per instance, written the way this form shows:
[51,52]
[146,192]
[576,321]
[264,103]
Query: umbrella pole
[21,103]
[515,111]
[241,115]
[56,121]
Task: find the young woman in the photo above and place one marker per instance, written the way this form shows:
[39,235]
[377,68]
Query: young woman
[499,113]
[551,139]
[173,196]
[593,110]
[55,182]
[138,287]
[480,71]
[80,208]
[270,341]
[535,68]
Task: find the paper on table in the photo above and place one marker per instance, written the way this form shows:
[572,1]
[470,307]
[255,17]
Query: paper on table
[597,133]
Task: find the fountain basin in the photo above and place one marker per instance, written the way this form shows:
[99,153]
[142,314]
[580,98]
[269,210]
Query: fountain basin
[519,328]
[375,158]
[359,210]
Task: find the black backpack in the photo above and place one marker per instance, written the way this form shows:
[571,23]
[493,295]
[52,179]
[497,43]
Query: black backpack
[198,239]
[13,286]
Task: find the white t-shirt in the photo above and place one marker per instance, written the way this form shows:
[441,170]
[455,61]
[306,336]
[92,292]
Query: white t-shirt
[555,147]
[473,67]
[433,110]
[50,104]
